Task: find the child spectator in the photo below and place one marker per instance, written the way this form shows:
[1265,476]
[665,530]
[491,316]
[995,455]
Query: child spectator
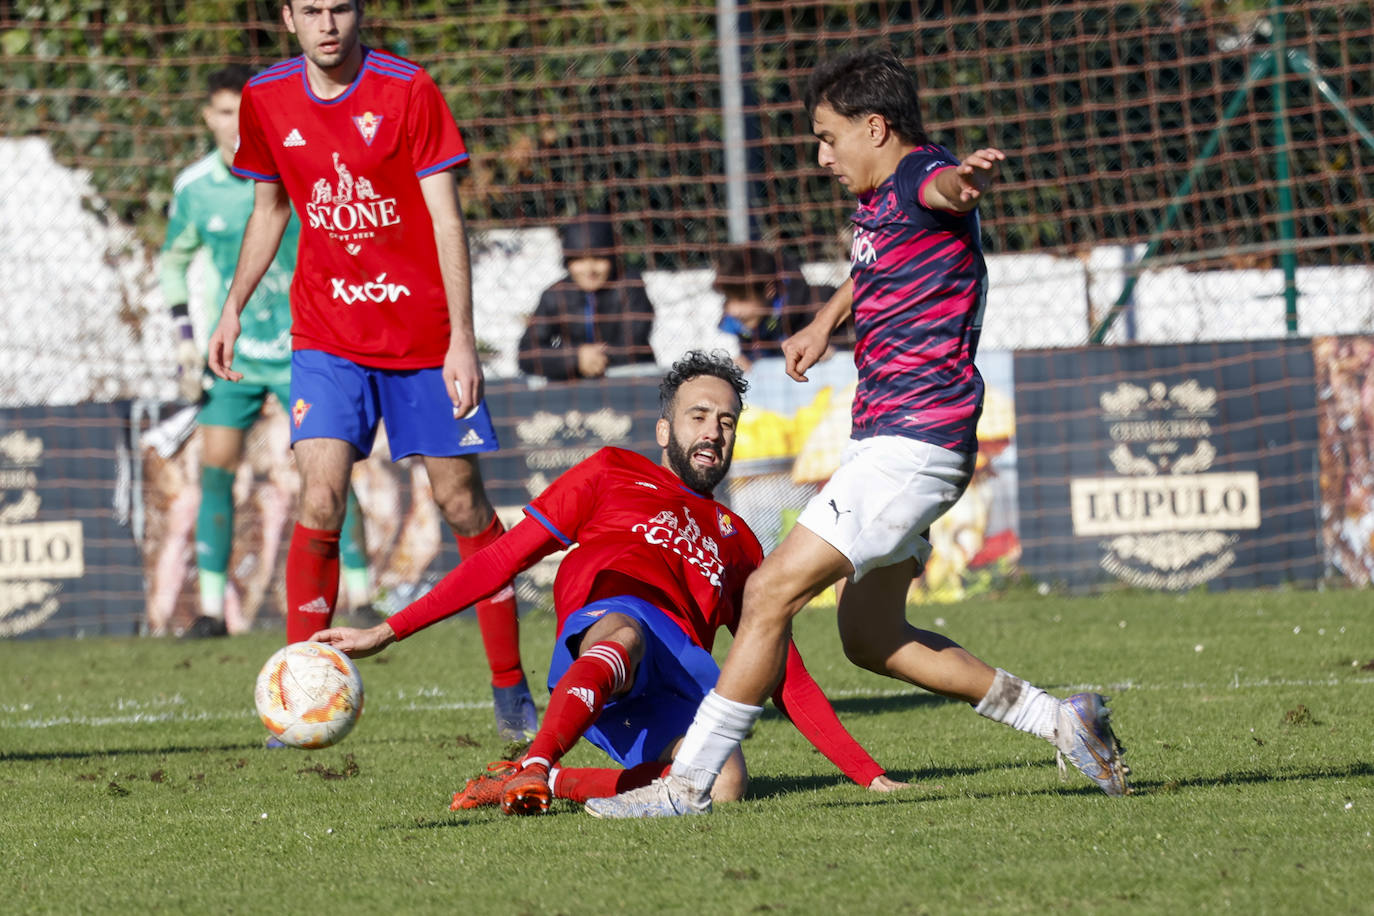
[766,300]
[596,318]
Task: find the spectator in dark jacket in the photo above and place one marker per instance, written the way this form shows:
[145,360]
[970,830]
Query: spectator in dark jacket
[595,318]
[767,300]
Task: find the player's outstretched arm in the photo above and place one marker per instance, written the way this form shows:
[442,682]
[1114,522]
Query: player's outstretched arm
[479,576]
[261,238]
[801,700]
[959,188]
[804,349]
[462,369]
[357,643]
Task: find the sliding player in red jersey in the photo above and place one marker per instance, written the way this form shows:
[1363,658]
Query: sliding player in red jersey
[657,568]
[363,145]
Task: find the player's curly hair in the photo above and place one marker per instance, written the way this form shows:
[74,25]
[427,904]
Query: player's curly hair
[869,82]
[694,364]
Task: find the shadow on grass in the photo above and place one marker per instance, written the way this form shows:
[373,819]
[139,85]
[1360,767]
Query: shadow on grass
[922,782]
[924,789]
[1327,771]
[877,705]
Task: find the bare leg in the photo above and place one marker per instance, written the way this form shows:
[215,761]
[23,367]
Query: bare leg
[458,491]
[801,568]
[169,570]
[876,636]
[325,466]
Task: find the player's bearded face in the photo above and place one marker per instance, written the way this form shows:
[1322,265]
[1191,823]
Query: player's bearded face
[699,438]
[687,458]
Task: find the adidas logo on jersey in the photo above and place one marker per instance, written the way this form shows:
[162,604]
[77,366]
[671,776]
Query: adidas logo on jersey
[471,437]
[585,695]
[294,138]
[216,224]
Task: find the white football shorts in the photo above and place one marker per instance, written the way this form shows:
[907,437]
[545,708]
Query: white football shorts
[888,490]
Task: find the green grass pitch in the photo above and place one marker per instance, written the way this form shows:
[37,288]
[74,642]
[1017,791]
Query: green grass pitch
[134,780]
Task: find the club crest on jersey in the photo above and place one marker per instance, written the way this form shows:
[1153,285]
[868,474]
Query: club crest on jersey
[298,412]
[367,124]
[725,523]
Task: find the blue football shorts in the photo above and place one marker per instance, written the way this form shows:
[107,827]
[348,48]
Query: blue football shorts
[335,398]
[672,678]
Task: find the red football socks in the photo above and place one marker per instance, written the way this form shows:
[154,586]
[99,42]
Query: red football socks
[577,699]
[312,581]
[496,616]
[582,783]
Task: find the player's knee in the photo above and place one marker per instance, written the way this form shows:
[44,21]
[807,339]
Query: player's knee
[466,511]
[863,652]
[621,629]
[321,506]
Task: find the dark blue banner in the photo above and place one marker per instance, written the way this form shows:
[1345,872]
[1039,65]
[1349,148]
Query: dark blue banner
[68,563]
[1169,467]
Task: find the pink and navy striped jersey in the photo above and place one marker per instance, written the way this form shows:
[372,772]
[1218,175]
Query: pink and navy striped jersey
[919,289]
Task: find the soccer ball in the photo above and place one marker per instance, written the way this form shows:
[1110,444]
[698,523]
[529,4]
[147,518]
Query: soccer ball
[309,695]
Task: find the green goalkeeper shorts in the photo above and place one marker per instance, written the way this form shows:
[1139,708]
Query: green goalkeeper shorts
[238,404]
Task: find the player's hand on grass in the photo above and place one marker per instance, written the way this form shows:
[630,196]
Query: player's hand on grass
[805,348]
[221,353]
[976,172]
[356,643]
[463,378]
[885,784]
[190,369]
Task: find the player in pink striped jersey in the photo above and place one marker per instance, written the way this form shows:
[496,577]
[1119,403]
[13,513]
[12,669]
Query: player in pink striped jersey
[915,293]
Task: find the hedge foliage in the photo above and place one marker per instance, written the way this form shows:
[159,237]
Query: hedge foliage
[615,104]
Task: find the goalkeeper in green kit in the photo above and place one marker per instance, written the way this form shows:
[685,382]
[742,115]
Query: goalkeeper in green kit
[210,207]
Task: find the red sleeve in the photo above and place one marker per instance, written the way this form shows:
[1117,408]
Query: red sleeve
[801,700]
[253,158]
[435,143]
[567,503]
[482,574]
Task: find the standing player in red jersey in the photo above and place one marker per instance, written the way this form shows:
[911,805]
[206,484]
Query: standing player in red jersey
[916,293]
[362,144]
[658,568]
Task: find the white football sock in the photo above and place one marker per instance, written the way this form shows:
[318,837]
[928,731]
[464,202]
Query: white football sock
[212,586]
[716,731]
[1019,704]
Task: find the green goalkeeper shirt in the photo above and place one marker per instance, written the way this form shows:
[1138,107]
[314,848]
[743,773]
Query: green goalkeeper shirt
[210,207]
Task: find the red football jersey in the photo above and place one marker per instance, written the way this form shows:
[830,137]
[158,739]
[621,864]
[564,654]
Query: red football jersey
[640,531]
[693,557]
[367,284]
